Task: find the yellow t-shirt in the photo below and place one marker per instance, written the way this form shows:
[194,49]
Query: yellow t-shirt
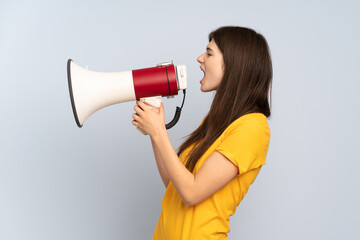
[245,142]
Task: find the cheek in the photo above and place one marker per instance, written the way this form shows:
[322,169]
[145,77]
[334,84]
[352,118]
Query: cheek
[219,73]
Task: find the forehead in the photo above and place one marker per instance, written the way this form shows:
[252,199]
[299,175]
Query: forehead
[212,45]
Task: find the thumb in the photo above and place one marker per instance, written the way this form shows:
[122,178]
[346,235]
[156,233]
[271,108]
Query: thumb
[162,108]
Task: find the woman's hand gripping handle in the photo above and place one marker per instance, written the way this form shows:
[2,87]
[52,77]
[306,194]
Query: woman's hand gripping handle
[153,102]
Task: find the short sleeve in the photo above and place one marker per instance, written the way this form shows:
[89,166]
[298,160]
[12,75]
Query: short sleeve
[246,144]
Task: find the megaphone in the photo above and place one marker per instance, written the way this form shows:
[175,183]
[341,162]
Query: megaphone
[91,91]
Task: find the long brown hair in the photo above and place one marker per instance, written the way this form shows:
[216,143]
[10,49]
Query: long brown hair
[244,89]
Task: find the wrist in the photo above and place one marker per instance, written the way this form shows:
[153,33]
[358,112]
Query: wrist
[158,134]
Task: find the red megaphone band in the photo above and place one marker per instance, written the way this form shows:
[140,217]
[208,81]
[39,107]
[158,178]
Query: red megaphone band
[155,81]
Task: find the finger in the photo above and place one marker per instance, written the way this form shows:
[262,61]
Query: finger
[143,105]
[138,110]
[136,117]
[135,123]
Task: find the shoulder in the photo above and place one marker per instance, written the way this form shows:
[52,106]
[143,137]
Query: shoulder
[251,131]
[249,123]
[245,141]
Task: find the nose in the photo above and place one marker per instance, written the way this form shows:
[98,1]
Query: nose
[200,59]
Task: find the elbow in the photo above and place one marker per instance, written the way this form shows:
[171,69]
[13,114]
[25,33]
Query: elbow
[188,203]
[190,200]
[191,196]
[166,183]
[194,199]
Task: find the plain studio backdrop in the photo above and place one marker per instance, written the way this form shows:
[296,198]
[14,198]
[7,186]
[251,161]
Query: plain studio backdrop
[101,181]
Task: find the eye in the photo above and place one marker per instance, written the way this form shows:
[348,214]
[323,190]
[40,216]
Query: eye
[208,54]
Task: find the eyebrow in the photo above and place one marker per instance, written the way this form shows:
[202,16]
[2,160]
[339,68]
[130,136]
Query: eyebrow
[208,49]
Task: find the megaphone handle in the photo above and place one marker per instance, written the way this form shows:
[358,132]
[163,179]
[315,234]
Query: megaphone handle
[153,102]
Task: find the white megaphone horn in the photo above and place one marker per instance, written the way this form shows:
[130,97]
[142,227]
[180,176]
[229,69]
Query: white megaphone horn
[91,91]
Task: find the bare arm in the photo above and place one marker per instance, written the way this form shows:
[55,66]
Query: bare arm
[162,171]
[215,173]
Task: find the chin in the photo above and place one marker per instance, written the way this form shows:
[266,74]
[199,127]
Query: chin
[206,90]
[203,89]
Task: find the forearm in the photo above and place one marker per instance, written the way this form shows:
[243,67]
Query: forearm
[180,176]
[153,122]
[162,171]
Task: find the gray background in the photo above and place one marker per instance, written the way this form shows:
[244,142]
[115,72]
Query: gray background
[101,181]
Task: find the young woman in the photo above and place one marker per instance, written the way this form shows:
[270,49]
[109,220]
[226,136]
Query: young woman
[213,169]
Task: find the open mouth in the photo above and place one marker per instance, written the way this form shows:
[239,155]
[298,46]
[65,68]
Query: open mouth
[202,70]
